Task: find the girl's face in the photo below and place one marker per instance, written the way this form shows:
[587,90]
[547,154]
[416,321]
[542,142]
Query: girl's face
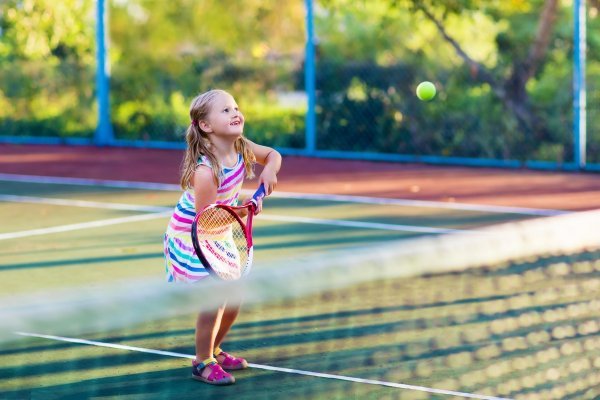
[224,117]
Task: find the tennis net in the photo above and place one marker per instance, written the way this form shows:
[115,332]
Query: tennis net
[510,311]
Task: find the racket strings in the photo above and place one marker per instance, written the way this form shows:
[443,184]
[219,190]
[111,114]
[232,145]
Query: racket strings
[214,224]
[223,243]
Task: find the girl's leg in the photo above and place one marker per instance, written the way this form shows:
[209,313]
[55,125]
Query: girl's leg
[230,314]
[227,361]
[207,328]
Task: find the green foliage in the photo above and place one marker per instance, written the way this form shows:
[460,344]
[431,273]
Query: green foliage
[370,57]
[47,30]
[46,100]
[46,77]
[250,52]
[275,125]
[467,119]
[387,116]
[150,119]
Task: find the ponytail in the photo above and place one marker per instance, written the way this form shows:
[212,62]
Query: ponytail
[242,146]
[198,145]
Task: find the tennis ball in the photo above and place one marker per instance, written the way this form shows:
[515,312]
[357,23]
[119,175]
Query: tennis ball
[426,91]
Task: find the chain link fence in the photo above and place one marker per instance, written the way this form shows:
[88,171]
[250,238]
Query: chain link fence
[370,56]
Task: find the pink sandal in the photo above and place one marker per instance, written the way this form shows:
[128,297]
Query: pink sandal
[216,377]
[229,362]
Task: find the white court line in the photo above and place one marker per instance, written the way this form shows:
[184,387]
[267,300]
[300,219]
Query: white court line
[165,211]
[268,367]
[291,195]
[359,224]
[81,203]
[89,182]
[82,225]
[421,203]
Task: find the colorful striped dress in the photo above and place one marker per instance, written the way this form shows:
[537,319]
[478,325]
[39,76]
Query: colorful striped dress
[182,264]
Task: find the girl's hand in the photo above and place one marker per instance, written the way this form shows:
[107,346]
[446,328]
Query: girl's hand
[269,179]
[259,205]
[270,159]
[244,212]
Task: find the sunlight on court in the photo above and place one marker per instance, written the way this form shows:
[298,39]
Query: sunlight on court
[430,335]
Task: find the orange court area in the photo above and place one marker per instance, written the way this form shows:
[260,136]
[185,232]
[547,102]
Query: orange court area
[491,186]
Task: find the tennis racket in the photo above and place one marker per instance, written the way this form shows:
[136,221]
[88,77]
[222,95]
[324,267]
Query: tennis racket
[223,242]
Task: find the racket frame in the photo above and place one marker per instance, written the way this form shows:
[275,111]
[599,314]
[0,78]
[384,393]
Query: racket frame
[251,206]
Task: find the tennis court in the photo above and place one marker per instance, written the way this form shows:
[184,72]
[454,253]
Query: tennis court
[421,244]
[507,331]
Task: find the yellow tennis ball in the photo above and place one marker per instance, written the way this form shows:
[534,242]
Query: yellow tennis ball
[426,91]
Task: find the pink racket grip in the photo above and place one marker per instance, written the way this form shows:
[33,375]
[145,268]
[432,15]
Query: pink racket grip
[259,194]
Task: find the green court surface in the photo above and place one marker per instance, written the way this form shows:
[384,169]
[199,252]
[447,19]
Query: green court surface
[367,333]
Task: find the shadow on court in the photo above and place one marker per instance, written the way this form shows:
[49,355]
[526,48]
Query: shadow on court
[175,383]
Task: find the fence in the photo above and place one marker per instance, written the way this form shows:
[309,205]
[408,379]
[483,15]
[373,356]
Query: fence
[325,79]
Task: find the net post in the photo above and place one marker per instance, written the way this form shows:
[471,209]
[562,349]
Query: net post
[104,133]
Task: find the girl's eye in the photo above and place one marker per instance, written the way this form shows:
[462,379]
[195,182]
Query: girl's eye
[226,110]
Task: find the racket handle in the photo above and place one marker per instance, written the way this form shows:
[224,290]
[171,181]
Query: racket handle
[259,194]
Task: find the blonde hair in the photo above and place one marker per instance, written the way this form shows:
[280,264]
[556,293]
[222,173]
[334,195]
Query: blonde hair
[199,144]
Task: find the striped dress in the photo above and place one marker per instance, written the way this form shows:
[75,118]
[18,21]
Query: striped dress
[182,264]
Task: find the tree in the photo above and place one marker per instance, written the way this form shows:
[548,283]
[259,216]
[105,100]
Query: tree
[509,86]
[46,67]
[47,30]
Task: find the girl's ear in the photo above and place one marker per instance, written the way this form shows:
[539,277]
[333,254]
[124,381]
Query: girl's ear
[204,126]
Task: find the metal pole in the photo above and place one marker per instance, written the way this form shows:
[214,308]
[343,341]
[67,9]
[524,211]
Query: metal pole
[104,132]
[310,80]
[579,84]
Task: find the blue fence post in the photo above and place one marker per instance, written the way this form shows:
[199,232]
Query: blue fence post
[579,84]
[310,80]
[104,133]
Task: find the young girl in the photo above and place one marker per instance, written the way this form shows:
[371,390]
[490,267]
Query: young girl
[216,160]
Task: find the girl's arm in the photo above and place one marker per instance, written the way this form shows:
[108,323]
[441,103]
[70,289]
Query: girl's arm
[271,159]
[205,188]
